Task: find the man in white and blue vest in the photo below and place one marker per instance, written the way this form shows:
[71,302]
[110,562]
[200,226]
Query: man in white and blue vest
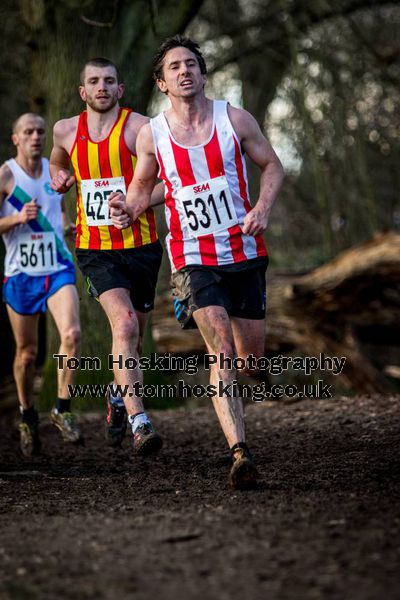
[39,274]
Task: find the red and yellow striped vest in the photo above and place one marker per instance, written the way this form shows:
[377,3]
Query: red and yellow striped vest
[109,158]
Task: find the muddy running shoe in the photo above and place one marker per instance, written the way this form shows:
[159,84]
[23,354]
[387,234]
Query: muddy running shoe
[29,437]
[66,422]
[116,421]
[146,440]
[244,474]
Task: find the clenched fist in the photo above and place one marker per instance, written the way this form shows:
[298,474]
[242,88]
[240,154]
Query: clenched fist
[120,214]
[62,182]
[29,211]
[255,222]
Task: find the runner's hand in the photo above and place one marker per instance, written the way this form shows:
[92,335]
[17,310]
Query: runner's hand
[255,222]
[62,182]
[121,215]
[29,211]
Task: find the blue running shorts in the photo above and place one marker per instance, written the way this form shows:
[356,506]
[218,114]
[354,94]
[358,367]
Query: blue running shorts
[27,294]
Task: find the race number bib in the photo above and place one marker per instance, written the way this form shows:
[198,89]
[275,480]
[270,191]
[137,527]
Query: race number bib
[37,253]
[207,207]
[95,194]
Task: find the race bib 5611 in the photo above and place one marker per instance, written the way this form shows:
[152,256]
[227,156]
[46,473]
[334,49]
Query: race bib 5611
[95,194]
[37,253]
[206,207]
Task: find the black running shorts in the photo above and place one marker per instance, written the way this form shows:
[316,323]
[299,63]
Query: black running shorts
[240,289]
[135,269]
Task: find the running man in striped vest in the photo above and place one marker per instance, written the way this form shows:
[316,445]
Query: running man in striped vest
[39,274]
[120,267]
[215,244]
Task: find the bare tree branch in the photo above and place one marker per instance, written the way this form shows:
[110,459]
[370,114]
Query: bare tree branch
[101,23]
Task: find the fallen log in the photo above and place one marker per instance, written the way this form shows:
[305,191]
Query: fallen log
[342,308]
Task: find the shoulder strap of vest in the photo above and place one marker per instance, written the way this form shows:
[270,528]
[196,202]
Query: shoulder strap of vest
[159,127]
[81,130]
[220,109]
[82,124]
[11,164]
[124,112]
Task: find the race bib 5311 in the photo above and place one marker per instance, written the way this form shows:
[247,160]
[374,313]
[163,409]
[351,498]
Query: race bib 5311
[95,194]
[206,207]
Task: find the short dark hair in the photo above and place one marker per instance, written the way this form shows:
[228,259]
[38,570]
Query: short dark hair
[99,62]
[176,42]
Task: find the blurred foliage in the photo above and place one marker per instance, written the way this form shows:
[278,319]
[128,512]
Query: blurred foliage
[44,45]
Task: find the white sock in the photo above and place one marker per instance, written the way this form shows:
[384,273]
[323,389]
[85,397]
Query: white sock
[138,420]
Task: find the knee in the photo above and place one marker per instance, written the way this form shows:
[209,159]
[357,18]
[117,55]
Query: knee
[126,329]
[26,356]
[71,338]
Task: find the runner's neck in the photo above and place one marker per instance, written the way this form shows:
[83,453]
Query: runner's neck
[31,166]
[191,122]
[100,124]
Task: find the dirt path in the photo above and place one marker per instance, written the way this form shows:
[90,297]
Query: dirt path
[94,523]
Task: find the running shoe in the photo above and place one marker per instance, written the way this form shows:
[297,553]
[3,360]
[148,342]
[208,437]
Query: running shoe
[146,440]
[244,474]
[29,437]
[116,422]
[66,422]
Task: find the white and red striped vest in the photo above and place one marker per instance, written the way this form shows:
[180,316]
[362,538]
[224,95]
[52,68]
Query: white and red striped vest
[184,166]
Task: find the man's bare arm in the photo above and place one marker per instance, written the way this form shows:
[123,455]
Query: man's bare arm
[260,151]
[63,136]
[29,210]
[133,126]
[138,197]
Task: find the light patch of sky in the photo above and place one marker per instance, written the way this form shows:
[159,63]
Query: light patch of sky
[227,85]
[279,110]
[250,7]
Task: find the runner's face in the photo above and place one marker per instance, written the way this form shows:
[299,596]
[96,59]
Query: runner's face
[29,137]
[101,90]
[181,74]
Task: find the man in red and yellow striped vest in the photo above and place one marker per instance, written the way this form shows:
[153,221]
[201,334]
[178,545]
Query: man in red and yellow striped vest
[121,267]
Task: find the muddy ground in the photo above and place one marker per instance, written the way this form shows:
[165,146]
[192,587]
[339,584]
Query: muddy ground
[92,522]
